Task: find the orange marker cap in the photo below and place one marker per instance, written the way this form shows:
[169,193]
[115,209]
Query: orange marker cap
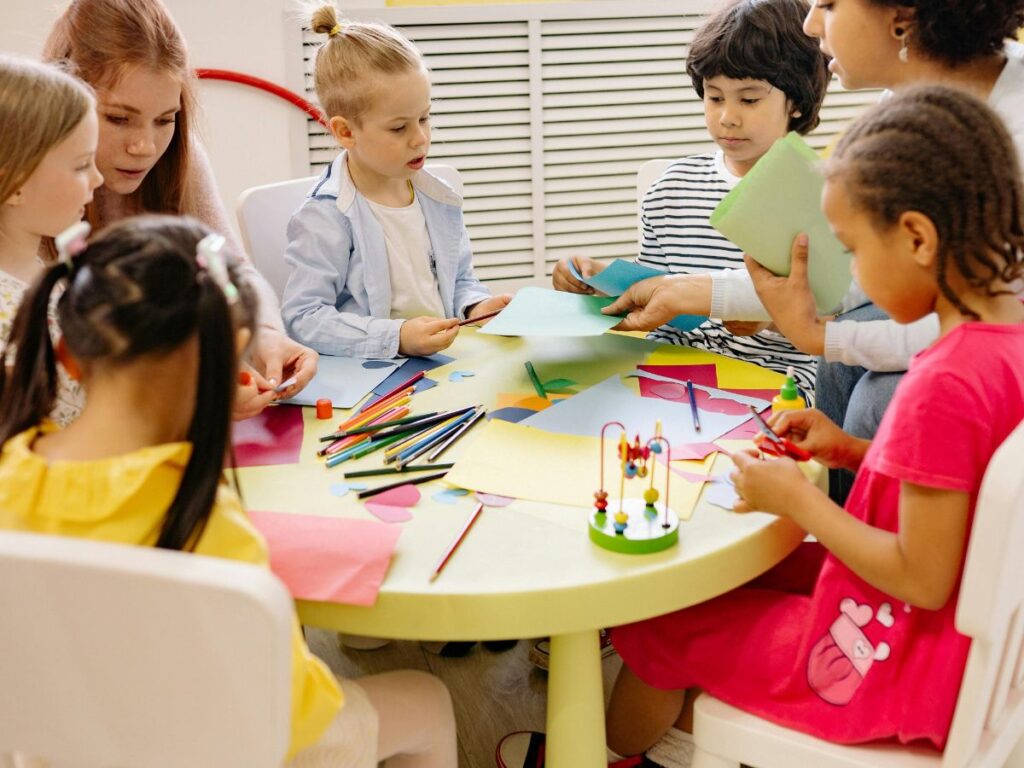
[324,408]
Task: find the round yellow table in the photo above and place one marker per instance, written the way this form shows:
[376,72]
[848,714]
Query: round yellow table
[529,569]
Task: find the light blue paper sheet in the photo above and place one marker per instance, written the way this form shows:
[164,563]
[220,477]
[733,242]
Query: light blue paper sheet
[543,312]
[778,199]
[614,279]
[344,380]
[612,400]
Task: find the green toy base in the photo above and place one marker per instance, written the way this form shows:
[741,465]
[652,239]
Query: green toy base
[645,532]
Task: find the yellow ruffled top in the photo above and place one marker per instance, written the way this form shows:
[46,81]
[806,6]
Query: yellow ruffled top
[123,499]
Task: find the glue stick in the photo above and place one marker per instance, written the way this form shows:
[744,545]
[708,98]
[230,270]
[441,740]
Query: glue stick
[788,398]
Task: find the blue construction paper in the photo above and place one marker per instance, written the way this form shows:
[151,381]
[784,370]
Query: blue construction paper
[614,279]
[612,400]
[511,413]
[344,380]
[412,366]
[543,312]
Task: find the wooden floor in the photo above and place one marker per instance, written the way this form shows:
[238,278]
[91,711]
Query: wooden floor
[494,693]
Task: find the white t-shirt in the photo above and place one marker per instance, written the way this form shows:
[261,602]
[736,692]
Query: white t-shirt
[414,290]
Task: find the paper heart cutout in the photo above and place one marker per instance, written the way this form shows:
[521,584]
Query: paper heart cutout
[387,513]
[678,393]
[457,376]
[371,364]
[859,614]
[493,500]
[666,391]
[884,615]
[882,652]
[449,495]
[341,489]
[402,496]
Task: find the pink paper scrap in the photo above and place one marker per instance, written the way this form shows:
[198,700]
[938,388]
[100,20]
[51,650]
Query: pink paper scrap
[329,559]
[272,437]
[693,451]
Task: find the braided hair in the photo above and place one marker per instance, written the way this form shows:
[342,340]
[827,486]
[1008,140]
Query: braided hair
[136,290]
[943,153]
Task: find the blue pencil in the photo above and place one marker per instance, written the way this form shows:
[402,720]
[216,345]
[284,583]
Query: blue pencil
[430,441]
[693,405]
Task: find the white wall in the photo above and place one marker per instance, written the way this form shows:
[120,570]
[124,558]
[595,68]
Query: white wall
[252,137]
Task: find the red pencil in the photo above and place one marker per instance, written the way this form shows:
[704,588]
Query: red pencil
[458,540]
[412,380]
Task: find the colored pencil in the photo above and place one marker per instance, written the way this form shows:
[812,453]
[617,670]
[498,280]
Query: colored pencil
[358,451]
[398,471]
[419,426]
[433,441]
[403,453]
[458,540]
[410,382]
[413,481]
[376,427]
[364,416]
[417,437]
[693,405]
[536,381]
[485,316]
[350,440]
[432,456]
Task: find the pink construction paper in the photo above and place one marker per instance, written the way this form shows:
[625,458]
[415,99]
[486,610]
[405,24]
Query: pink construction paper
[748,429]
[388,513]
[402,496]
[330,559]
[705,373]
[493,499]
[272,437]
[693,477]
[693,451]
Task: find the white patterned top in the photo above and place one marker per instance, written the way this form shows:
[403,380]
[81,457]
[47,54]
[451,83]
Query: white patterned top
[70,395]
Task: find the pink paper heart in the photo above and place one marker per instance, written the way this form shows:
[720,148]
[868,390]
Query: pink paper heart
[493,500]
[667,391]
[387,513]
[860,614]
[402,496]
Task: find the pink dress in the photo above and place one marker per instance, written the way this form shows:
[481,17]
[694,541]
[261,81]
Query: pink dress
[845,661]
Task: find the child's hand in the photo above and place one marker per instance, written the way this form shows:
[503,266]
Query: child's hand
[562,278]
[426,335]
[253,394]
[487,306]
[773,486]
[815,432]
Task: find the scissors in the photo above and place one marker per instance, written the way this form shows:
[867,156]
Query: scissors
[770,443]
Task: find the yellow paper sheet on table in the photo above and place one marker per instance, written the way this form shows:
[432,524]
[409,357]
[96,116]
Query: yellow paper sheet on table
[732,374]
[527,463]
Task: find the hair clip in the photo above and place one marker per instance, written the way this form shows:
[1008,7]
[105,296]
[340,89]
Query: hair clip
[336,29]
[210,258]
[71,242]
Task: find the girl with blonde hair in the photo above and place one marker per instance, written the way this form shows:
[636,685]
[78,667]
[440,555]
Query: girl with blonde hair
[48,137]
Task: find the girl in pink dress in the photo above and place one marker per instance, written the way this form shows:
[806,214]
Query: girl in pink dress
[926,193]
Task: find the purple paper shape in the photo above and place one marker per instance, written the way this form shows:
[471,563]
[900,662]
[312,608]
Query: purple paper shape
[272,437]
[330,559]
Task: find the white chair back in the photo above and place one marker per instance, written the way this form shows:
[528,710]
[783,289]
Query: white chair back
[264,211]
[649,173]
[131,656]
[988,723]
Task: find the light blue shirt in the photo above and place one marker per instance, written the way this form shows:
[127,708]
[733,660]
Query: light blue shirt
[338,296]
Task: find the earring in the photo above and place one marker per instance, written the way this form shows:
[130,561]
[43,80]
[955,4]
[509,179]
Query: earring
[904,53]
[797,113]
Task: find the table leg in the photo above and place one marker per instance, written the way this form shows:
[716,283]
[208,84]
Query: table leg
[575,703]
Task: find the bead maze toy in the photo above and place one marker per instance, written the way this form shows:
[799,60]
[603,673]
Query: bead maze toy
[632,525]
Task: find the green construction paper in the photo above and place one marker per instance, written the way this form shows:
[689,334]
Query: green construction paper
[543,312]
[779,198]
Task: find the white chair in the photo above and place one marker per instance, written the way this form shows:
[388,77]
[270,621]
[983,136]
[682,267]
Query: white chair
[649,173]
[263,214]
[131,656]
[989,716]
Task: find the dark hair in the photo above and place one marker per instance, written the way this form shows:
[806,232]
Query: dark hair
[137,290]
[943,153]
[955,32]
[763,40]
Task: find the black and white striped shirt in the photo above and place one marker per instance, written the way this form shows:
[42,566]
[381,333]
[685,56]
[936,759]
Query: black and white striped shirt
[678,238]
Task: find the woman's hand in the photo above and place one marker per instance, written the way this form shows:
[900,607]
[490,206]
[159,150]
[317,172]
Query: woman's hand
[254,393]
[280,359]
[562,279]
[486,306]
[789,300]
[815,432]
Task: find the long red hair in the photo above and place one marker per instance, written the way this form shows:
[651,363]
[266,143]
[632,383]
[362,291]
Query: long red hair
[97,40]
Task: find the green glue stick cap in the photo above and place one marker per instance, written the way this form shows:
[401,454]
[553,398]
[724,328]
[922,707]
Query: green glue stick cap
[788,390]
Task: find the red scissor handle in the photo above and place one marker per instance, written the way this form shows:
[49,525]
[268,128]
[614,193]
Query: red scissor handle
[781,448]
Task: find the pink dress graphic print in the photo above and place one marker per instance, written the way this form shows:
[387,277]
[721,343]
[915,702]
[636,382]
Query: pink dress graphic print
[839,662]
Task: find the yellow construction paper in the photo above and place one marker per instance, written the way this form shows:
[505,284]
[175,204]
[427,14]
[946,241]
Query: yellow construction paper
[732,374]
[527,463]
